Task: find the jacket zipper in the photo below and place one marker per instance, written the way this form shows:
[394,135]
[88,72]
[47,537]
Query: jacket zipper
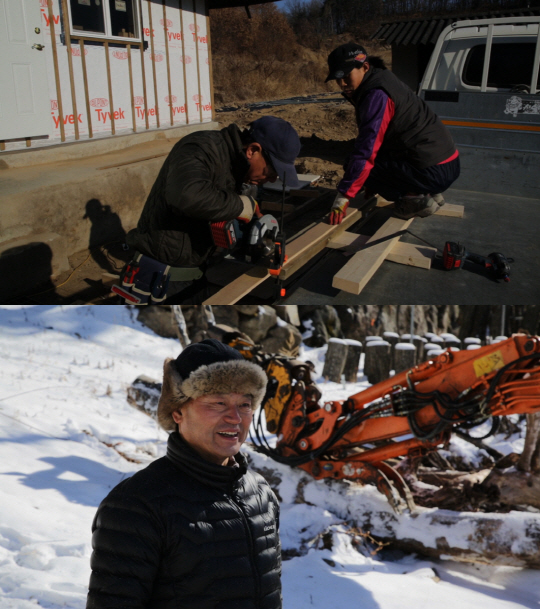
[251,551]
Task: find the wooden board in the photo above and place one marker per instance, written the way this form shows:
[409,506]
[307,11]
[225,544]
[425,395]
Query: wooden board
[420,256]
[402,253]
[451,210]
[299,251]
[362,266]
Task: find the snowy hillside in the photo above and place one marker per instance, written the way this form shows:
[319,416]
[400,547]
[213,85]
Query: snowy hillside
[68,436]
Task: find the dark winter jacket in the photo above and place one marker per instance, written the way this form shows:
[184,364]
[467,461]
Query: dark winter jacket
[187,534]
[199,183]
[393,122]
[415,132]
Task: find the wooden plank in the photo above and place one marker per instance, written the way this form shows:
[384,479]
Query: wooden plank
[402,253]
[299,251]
[67,35]
[86,94]
[198,59]
[184,61]
[56,71]
[167,57]
[361,267]
[156,99]
[420,256]
[212,101]
[130,70]
[109,84]
[451,210]
[348,240]
[143,72]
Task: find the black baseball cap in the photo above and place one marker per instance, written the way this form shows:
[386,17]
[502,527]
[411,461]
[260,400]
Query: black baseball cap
[343,59]
[280,141]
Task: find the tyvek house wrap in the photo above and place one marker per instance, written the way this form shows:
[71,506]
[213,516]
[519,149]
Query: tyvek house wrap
[183,29]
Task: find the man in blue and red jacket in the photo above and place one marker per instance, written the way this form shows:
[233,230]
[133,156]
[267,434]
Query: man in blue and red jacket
[403,152]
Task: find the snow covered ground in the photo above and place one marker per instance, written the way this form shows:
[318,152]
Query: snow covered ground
[67,436]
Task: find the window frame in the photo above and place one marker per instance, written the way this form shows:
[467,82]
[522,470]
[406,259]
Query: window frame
[107,35]
[496,43]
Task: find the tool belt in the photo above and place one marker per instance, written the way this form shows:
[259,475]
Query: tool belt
[147,280]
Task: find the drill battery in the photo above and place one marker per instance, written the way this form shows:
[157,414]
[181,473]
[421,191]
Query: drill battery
[226,234]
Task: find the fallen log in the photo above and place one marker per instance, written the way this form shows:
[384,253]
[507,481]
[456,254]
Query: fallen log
[515,487]
[511,539]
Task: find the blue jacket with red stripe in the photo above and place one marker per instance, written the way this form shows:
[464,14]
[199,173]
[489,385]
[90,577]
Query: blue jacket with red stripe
[392,120]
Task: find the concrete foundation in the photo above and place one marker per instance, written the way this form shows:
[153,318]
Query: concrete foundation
[58,201]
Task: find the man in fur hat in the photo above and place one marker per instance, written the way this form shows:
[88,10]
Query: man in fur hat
[195,529]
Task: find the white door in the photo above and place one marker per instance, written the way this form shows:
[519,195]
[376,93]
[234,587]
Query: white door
[24,94]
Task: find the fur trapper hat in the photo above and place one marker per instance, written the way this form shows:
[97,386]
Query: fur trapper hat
[207,368]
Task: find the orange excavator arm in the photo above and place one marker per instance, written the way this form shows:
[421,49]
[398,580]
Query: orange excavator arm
[409,414]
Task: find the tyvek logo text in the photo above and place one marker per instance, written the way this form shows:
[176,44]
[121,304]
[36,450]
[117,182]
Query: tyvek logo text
[105,117]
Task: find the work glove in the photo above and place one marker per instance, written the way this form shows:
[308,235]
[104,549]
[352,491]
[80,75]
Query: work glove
[339,207]
[251,208]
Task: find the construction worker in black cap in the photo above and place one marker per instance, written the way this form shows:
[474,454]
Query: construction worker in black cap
[403,152]
[209,176]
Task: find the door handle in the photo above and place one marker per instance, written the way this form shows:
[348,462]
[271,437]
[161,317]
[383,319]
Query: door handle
[38,47]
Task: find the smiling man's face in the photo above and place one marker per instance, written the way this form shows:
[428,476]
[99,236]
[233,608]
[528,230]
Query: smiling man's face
[215,426]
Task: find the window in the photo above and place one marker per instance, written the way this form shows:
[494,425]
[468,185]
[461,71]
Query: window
[510,64]
[108,18]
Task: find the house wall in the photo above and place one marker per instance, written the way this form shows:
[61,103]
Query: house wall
[168,86]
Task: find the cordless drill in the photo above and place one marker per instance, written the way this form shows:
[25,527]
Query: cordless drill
[496,264]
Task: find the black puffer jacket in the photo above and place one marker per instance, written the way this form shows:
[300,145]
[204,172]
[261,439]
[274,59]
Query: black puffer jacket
[187,534]
[199,183]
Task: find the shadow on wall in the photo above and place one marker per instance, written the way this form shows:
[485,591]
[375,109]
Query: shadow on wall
[24,268]
[106,230]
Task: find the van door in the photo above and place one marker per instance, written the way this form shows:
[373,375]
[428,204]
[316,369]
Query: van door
[24,94]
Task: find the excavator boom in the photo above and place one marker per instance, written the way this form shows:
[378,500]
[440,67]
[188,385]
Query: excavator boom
[408,414]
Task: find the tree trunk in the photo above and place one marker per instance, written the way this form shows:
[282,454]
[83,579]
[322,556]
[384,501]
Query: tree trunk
[334,362]
[354,350]
[530,458]
[404,357]
[516,488]
[377,361]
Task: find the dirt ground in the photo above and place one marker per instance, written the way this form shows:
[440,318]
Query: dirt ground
[327,131]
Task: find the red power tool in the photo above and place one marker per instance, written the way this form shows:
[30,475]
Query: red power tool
[455,255]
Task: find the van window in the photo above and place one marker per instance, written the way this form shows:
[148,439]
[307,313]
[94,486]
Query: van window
[106,17]
[510,64]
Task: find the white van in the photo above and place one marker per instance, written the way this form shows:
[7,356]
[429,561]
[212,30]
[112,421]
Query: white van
[483,82]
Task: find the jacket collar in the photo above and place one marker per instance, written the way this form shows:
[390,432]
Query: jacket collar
[239,162]
[190,462]
[359,91]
